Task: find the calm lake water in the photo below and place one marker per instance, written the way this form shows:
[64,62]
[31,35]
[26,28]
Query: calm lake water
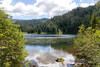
[45,49]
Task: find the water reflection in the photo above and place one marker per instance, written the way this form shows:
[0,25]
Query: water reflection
[37,47]
[45,54]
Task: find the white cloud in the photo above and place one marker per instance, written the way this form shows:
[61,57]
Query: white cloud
[41,7]
[55,7]
[86,4]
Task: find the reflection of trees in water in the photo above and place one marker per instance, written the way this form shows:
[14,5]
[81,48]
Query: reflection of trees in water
[57,51]
[64,44]
[41,41]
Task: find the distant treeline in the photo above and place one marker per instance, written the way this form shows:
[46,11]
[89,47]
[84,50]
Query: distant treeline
[28,25]
[64,24]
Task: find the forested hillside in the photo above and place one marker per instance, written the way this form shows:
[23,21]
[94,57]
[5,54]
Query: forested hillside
[28,25]
[67,24]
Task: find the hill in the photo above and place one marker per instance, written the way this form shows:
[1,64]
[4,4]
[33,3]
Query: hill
[28,25]
[68,23]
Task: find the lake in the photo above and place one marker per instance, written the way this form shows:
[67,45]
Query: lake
[44,50]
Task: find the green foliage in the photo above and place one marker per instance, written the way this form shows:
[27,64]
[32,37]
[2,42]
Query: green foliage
[48,27]
[60,32]
[68,23]
[87,44]
[43,33]
[93,21]
[27,63]
[97,11]
[29,25]
[12,46]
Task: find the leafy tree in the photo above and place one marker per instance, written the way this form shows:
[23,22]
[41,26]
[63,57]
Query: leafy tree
[12,52]
[87,44]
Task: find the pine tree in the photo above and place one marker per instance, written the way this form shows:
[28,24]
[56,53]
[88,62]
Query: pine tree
[93,21]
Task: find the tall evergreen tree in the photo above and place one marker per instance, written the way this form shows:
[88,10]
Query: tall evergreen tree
[93,21]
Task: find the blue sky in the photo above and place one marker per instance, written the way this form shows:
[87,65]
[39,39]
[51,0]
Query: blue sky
[27,2]
[35,9]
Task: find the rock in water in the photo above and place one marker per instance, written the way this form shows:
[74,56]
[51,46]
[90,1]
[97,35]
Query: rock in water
[31,63]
